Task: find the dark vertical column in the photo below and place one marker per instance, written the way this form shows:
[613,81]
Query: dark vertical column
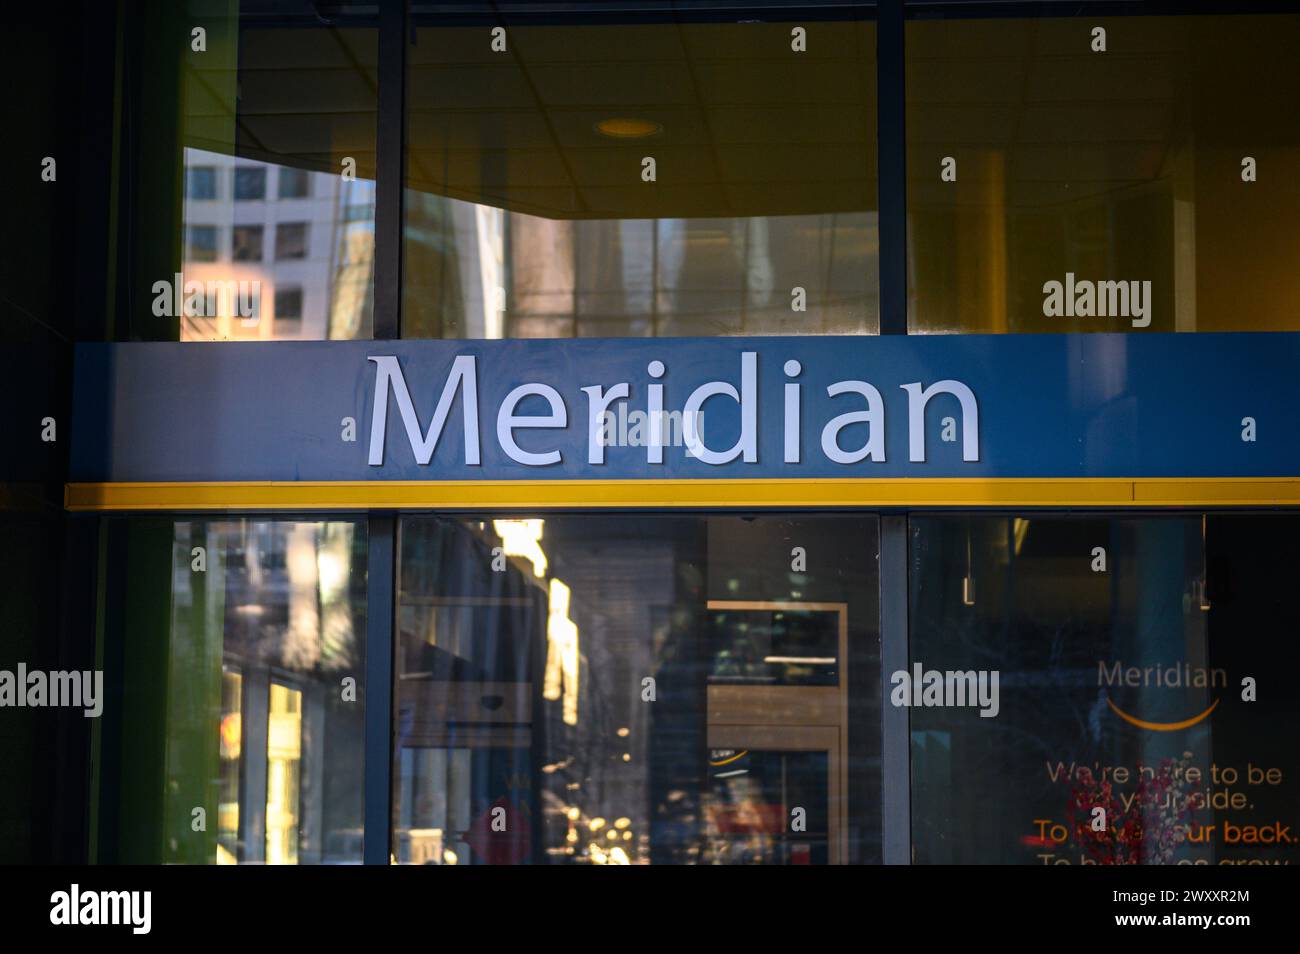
[390,168]
[892,165]
[137,633]
[256,719]
[896,771]
[78,579]
[149,210]
[895,750]
[99,94]
[381,580]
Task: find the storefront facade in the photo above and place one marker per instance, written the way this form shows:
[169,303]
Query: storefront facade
[541,433]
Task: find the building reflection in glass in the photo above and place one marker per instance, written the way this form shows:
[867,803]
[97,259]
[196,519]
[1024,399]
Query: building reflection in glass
[528,213]
[277,618]
[1140,164]
[274,252]
[565,687]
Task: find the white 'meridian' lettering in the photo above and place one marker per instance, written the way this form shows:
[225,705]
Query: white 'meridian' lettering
[746,397]
[873,416]
[508,420]
[918,397]
[598,402]
[389,372]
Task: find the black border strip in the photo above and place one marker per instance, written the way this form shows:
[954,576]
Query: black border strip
[390,169]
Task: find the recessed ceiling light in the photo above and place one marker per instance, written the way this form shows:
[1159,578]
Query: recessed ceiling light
[624,128]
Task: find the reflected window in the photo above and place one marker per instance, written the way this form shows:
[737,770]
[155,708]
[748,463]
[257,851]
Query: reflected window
[288,304]
[246,243]
[201,243]
[250,183]
[241,666]
[637,690]
[290,240]
[280,106]
[294,183]
[1055,188]
[707,180]
[201,182]
[1121,646]
[779,644]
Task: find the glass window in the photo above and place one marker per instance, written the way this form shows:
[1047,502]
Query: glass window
[201,243]
[294,183]
[1055,186]
[250,183]
[288,304]
[235,656]
[201,182]
[1119,729]
[281,103]
[290,240]
[633,690]
[246,243]
[664,177]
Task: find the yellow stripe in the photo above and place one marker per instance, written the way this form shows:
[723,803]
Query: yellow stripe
[709,492]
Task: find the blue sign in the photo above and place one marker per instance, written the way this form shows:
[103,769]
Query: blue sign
[1084,405]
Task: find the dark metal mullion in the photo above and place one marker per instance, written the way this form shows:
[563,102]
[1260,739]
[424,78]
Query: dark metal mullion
[381,601]
[381,575]
[891,179]
[891,167]
[895,749]
[390,167]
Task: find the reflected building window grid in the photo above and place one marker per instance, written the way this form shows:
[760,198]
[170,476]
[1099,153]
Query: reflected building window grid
[326,285]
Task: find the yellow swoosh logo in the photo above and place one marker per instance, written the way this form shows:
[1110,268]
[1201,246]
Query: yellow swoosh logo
[728,761]
[1160,726]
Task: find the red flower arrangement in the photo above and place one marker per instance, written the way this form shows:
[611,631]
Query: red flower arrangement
[1148,832]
